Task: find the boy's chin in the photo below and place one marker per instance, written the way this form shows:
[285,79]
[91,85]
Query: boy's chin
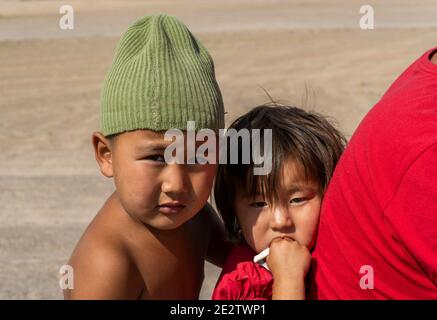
[162,222]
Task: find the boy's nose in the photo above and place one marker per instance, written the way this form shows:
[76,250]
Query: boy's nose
[280,219]
[174,180]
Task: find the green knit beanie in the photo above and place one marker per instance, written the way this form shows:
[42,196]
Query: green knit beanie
[160,78]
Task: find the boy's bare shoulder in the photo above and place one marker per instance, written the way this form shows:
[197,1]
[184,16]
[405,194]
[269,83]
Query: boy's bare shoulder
[115,255]
[102,265]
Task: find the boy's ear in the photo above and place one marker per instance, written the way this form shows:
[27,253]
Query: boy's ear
[103,153]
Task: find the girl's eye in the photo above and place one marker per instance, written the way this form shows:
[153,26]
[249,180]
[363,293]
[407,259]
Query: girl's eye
[298,200]
[259,204]
[155,157]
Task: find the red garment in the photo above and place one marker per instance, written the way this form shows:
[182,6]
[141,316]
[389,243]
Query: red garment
[380,208]
[243,279]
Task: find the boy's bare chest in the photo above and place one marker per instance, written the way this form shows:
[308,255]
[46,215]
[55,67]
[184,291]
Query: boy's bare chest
[172,267]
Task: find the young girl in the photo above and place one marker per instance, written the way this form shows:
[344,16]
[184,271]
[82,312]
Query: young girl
[280,210]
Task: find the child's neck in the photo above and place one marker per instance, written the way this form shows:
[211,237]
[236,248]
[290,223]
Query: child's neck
[434,58]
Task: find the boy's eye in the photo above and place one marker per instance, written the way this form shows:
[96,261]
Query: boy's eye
[258,204]
[155,157]
[298,200]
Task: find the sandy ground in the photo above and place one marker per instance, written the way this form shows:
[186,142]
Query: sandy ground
[309,53]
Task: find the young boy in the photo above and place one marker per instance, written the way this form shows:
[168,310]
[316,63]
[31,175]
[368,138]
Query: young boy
[150,238]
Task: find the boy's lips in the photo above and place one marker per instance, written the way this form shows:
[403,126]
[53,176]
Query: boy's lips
[171,207]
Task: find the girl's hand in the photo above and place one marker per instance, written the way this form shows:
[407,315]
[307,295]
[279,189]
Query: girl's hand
[289,263]
[288,259]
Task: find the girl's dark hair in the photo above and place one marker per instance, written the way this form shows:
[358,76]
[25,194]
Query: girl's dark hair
[307,137]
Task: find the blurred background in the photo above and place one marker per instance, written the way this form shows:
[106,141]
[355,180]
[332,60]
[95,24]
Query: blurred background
[311,54]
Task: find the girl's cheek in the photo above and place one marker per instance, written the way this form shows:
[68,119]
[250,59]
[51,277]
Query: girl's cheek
[314,224]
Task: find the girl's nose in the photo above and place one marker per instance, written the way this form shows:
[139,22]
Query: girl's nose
[280,219]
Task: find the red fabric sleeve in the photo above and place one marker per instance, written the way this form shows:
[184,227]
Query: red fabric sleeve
[247,282]
[412,214]
[242,279]
[227,288]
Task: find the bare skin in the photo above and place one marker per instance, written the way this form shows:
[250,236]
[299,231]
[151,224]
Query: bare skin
[434,58]
[289,263]
[118,258]
[134,248]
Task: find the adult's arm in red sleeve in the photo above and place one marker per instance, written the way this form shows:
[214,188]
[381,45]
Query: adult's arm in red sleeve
[412,213]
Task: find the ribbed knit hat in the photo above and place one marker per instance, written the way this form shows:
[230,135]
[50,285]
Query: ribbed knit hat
[160,78]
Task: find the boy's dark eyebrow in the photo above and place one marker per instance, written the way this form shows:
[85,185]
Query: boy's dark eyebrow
[155,146]
[158,145]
